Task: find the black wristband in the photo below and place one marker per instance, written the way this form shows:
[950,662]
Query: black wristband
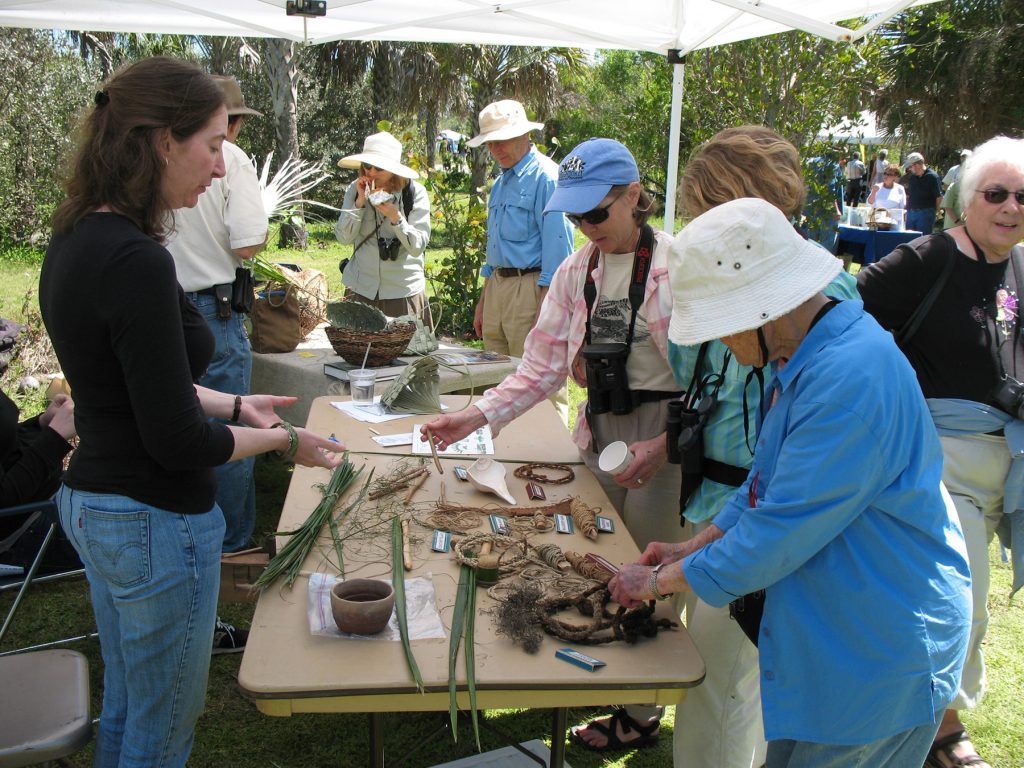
[238,408]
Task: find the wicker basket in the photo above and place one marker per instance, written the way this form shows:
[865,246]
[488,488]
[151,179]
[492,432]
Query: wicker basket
[385,345]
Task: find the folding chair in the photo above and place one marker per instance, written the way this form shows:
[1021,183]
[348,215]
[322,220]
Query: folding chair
[44,711]
[44,512]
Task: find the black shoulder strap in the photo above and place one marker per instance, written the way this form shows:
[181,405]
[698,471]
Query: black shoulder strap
[904,334]
[407,199]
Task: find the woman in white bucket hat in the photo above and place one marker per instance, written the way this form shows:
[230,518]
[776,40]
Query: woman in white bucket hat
[386,217]
[842,522]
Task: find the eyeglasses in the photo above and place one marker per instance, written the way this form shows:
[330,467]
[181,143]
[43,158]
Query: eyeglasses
[593,217]
[364,167]
[998,195]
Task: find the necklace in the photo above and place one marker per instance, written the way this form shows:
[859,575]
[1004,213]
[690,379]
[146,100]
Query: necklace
[528,472]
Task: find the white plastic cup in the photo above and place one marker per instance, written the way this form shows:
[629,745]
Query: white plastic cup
[361,382]
[615,458]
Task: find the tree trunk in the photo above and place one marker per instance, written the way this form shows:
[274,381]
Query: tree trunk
[429,119]
[279,64]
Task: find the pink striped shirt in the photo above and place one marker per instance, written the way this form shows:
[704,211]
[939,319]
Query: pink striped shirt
[554,344]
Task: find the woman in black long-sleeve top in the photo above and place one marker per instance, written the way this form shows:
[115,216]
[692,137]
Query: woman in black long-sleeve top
[138,497]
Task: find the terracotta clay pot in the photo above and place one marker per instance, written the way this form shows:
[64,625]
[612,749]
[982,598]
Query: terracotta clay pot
[362,606]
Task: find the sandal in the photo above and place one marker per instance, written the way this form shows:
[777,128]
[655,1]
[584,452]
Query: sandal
[647,734]
[941,754]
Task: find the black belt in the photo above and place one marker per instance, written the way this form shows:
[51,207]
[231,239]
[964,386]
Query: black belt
[515,272]
[212,290]
[723,473]
[641,396]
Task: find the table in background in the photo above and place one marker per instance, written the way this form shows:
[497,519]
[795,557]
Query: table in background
[301,373]
[286,670]
[869,245]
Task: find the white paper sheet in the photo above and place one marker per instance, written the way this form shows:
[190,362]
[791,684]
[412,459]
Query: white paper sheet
[478,443]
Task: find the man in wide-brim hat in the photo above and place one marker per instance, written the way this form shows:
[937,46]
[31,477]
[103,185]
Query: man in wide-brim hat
[524,245]
[842,521]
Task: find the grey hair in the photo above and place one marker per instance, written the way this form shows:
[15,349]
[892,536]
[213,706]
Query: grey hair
[1002,150]
[883,154]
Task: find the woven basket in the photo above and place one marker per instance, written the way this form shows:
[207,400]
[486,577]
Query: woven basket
[385,345]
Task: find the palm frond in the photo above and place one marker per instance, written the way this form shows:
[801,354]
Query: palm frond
[287,189]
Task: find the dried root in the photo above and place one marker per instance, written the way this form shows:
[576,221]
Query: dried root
[584,517]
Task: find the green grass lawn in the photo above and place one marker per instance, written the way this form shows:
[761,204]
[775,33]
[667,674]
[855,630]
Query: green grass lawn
[232,732]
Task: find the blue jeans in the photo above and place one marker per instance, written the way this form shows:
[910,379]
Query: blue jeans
[904,750]
[153,576]
[921,219]
[231,371]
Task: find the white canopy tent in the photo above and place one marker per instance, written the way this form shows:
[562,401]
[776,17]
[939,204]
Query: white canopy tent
[862,130]
[670,27]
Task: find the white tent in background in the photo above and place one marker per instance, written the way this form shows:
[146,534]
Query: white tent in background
[670,27]
[862,130]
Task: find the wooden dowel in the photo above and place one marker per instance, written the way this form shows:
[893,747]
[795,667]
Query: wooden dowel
[241,552]
[415,487]
[433,451]
[406,551]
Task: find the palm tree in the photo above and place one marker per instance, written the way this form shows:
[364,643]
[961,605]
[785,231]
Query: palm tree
[279,58]
[530,74]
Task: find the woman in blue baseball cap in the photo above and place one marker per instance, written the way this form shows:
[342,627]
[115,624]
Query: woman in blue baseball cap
[605,323]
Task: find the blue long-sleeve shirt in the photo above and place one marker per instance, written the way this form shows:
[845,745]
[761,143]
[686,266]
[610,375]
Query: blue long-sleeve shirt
[519,233]
[724,437]
[844,523]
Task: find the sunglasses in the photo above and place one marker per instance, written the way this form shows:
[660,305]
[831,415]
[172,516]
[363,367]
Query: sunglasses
[998,195]
[364,167]
[593,217]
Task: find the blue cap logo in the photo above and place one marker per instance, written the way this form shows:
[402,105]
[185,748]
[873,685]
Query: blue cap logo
[572,168]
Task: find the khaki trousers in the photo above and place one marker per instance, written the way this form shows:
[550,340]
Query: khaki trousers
[510,308]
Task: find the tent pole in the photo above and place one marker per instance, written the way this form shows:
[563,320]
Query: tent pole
[678,63]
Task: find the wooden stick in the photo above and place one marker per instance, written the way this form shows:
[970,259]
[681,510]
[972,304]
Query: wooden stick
[486,547]
[433,451]
[406,552]
[415,487]
[241,552]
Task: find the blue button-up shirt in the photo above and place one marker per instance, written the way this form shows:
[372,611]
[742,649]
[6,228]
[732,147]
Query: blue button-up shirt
[519,233]
[844,523]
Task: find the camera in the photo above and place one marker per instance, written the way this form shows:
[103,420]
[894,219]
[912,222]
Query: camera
[607,382]
[684,430]
[1009,396]
[388,248]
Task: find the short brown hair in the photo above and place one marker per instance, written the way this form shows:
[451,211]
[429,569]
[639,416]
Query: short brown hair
[116,162]
[644,204]
[745,161]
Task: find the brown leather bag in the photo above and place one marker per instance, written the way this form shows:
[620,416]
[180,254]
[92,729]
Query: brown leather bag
[275,319]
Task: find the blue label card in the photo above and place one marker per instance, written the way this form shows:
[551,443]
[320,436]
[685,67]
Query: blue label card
[605,525]
[563,524]
[441,541]
[581,660]
[499,524]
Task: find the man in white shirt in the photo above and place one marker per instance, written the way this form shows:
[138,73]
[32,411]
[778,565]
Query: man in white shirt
[210,244]
[855,173]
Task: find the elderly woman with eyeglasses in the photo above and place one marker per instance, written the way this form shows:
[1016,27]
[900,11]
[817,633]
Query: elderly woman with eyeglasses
[889,193]
[969,359]
[386,218]
[587,312]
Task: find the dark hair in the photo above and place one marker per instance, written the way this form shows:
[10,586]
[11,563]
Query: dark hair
[116,162]
[745,161]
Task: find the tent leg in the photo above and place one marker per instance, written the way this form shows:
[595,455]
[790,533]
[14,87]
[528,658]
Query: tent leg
[671,176]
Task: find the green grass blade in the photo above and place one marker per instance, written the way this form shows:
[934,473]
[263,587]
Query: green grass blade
[458,621]
[470,650]
[398,582]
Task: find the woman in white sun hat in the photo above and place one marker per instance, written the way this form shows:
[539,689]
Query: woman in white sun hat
[842,521]
[386,217]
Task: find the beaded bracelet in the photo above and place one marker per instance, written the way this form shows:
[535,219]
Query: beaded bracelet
[238,409]
[293,441]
